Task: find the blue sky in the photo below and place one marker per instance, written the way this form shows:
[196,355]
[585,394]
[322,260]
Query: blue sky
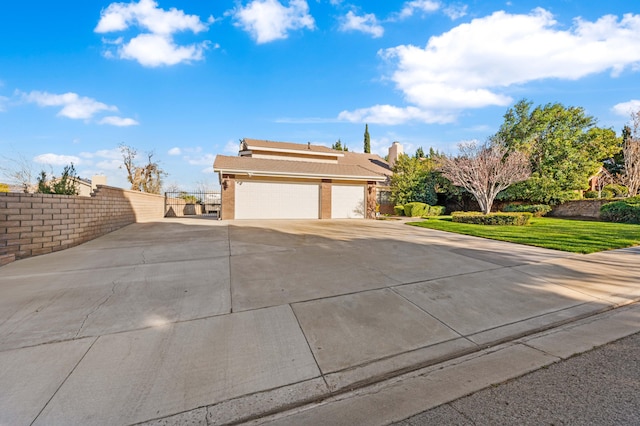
[187,79]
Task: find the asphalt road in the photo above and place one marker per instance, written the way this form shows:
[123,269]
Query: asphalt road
[599,387]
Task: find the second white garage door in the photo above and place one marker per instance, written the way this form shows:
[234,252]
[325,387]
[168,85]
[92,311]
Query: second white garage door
[274,200]
[347,201]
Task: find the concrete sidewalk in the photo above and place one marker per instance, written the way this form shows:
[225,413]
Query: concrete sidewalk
[206,321]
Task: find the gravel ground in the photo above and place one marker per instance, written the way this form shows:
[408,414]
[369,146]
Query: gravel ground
[600,387]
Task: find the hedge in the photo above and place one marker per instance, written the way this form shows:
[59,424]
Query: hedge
[398,210]
[477,218]
[623,211]
[416,209]
[538,210]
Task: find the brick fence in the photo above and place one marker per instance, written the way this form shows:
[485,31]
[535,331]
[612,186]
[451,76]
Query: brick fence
[33,224]
[579,208]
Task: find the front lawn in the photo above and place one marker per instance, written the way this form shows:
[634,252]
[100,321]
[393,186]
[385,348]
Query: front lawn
[574,236]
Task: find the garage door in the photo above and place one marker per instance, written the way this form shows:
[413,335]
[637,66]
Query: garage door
[271,200]
[347,201]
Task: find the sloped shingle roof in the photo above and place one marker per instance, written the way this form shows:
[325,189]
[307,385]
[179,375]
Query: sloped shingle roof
[262,166]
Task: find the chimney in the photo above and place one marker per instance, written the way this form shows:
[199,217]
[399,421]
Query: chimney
[98,180]
[395,151]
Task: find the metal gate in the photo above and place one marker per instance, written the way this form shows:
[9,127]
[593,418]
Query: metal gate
[192,204]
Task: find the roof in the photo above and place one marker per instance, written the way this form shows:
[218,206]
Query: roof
[257,143]
[302,169]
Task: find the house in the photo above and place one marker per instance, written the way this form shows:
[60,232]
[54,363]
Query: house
[280,180]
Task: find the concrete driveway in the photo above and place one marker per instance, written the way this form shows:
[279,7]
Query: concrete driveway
[217,322]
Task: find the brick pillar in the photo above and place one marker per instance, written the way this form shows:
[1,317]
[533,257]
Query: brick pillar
[371,200]
[325,199]
[228,197]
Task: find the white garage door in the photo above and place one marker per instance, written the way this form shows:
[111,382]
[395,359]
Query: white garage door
[271,200]
[347,201]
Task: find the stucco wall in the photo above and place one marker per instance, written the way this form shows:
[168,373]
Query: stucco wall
[33,224]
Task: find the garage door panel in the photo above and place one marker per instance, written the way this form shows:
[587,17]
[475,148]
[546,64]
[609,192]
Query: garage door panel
[347,201]
[276,200]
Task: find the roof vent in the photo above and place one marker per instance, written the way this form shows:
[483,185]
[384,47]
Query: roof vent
[308,145]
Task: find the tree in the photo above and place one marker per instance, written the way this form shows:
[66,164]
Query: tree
[414,179]
[485,170]
[420,153]
[564,145]
[147,178]
[367,141]
[18,171]
[66,184]
[631,154]
[338,146]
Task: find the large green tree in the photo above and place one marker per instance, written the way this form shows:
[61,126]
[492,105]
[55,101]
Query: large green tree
[564,145]
[367,140]
[414,179]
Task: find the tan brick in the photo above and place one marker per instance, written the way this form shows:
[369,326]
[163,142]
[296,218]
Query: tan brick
[42,228]
[30,246]
[50,233]
[19,205]
[42,240]
[51,244]
[8,237]
[43,250]
[32,223]
[19,217]
[42,216]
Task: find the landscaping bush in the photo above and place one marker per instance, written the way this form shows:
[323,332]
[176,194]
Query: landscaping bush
[477,218]
[617,190]
[416,209]
[623,211]
[398,210]
[538,210]
[591,194]
[435,210]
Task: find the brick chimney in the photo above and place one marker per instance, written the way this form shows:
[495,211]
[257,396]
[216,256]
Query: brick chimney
[395,151]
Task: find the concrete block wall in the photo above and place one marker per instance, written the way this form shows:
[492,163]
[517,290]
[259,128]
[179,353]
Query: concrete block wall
[33,224]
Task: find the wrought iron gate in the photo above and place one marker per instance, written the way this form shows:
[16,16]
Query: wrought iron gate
[198,203]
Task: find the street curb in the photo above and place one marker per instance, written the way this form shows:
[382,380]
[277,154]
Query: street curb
[500,360]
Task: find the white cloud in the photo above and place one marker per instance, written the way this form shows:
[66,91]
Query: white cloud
[455,11]
[56,159]
[3,103]
[392,115]
[269,20]
[73,106]
[232,147]
[175,151]
[410,7]
[154,50]
[111,154]
[203,160]
[472,65]
[367,24]
[156,46]
[146,14]
[118,121]
[625,109]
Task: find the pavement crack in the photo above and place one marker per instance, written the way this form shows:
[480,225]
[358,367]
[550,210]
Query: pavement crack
[98,306]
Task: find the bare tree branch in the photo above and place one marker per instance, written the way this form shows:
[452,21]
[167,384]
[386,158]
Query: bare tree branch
[631,153]
[485,170]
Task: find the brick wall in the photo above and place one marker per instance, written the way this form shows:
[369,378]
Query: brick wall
[33,224]
[579,208]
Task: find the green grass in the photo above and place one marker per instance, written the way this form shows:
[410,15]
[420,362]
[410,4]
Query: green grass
[575,236]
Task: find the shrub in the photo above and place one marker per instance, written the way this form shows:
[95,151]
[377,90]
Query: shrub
[4,187]
[591,194]
[516,219]
[416,209]
[398,210]
[436,210]
[538,210]
[623,211]
[617,190]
